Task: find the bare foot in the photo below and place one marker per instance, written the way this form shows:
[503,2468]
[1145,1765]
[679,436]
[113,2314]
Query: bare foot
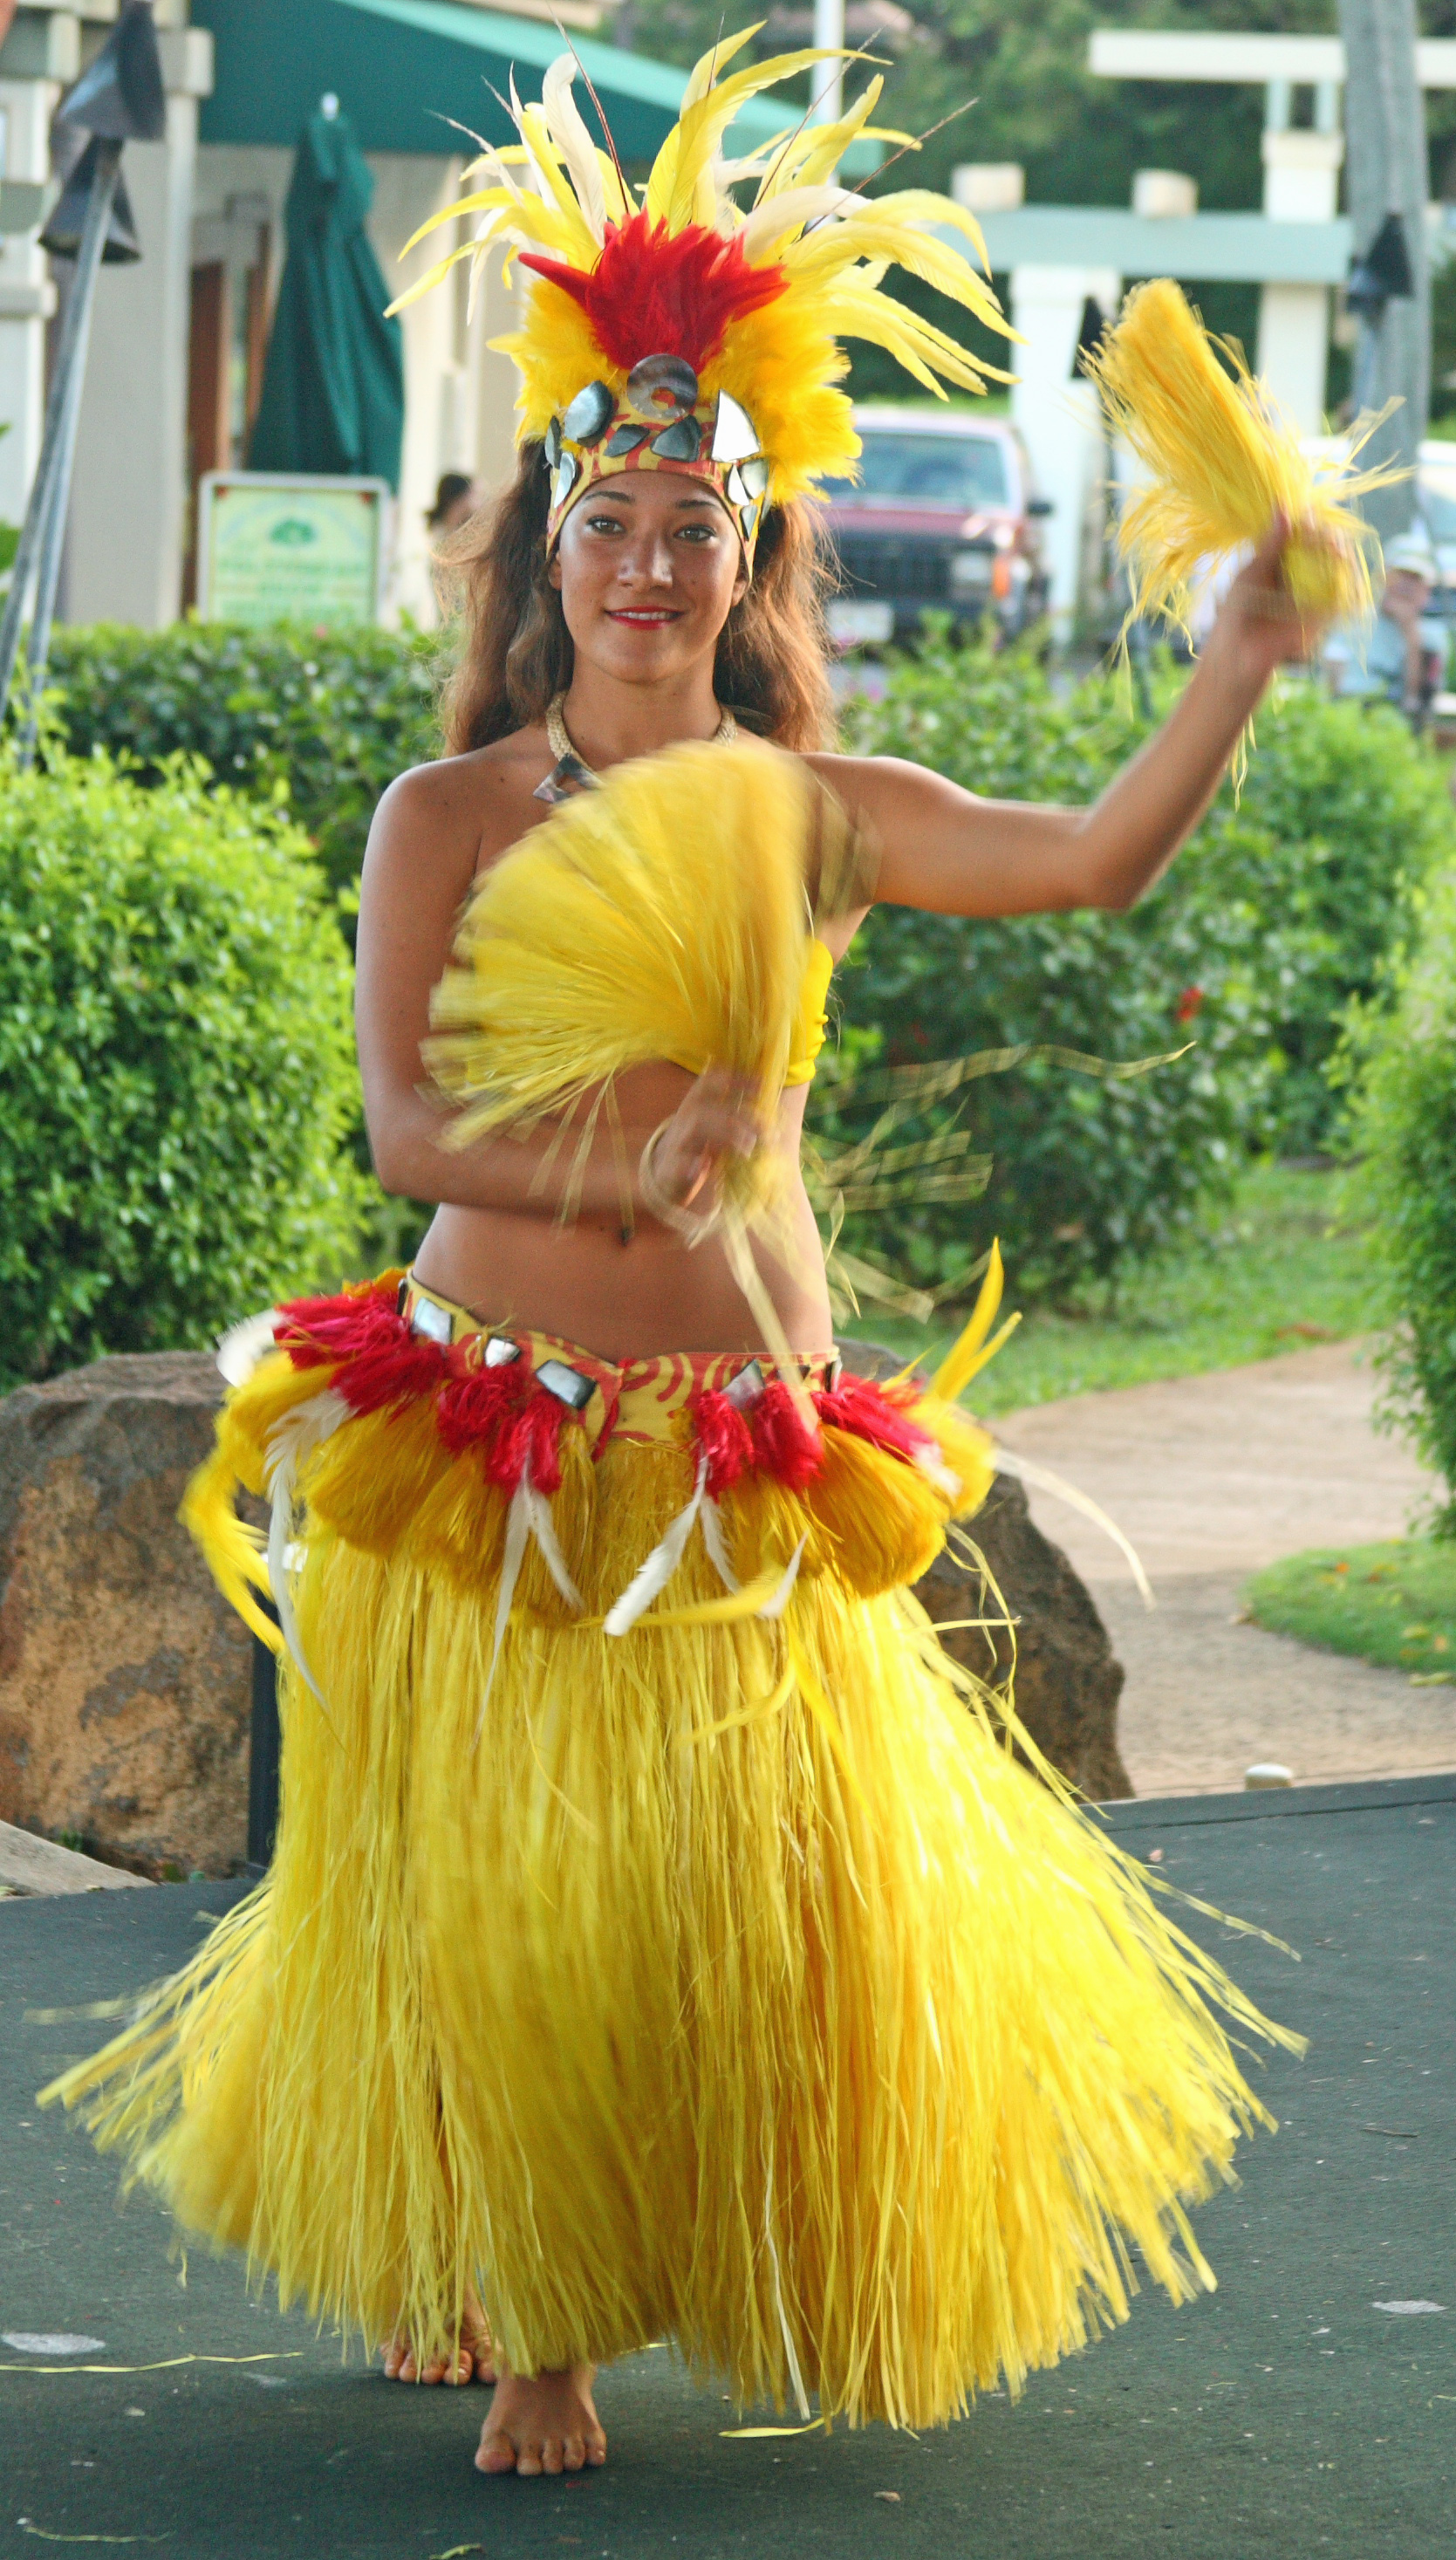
[544,2422]
[474,2360]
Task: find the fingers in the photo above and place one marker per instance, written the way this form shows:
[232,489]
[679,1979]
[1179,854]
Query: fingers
[721,1110]
[1271,549]
[717,1118]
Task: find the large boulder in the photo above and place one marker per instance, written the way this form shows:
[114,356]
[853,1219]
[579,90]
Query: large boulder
[1068,1680]
[125,1676]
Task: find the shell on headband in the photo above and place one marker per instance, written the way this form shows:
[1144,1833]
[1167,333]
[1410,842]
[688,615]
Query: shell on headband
[681,329]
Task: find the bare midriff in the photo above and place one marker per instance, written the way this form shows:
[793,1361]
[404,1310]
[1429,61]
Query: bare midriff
[631,1301]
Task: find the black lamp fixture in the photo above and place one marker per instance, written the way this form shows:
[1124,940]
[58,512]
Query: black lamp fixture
[1383,274]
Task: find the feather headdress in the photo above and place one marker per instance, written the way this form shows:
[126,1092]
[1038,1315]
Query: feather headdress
[684,330]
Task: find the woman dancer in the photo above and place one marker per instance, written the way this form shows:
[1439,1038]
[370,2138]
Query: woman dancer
[661,1936]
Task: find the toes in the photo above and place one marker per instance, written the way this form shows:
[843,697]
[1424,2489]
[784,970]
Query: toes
[529,2462]
[574,2453]
[408,2369]
[497,2454]
[596,2452]
[552,2458]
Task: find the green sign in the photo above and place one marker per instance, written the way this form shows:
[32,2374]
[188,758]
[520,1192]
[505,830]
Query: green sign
[272,548]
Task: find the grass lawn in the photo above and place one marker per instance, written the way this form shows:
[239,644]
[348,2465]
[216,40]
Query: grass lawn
[1277,1270]
[1393,1604]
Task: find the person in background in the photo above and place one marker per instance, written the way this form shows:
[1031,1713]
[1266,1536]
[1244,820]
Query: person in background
[416,590]
[1399,655]
[456,500]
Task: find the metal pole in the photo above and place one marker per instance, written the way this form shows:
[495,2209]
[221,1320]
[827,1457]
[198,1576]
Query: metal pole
[45,515]
[264,1756]
[1385,173]
[826,81]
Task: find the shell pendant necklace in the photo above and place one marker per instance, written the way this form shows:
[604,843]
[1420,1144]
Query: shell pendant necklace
[572,773]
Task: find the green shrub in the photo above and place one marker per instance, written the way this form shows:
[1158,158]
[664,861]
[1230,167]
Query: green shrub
[332,715]
[1402,1061]
[1249,950]
[1359,812]
[177,1062]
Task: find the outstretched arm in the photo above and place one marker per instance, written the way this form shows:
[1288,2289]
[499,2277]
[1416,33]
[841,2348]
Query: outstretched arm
[948,852]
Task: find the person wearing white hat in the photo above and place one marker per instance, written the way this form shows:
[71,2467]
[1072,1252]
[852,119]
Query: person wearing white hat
[1396,656]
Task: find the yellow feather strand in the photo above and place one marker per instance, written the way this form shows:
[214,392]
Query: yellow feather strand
[835,2045]
[1220,460]
[960,1362]
[232,1549]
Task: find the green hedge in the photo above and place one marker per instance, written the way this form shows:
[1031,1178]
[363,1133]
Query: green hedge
[1272,921]
[331,715]
[1359,813]
[177,1062]
[1401,1060]
[1273,918]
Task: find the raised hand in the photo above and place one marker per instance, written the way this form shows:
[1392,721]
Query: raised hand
[1261,624]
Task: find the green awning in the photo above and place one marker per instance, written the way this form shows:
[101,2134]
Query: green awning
[397,67]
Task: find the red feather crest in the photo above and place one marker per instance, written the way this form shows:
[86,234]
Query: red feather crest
[658,293]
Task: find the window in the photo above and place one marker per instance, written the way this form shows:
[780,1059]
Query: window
[962,472]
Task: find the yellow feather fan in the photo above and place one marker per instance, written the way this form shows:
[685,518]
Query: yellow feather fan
[663,914]
[1220,461]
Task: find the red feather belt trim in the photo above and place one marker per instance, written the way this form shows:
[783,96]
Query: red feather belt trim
[378,1361]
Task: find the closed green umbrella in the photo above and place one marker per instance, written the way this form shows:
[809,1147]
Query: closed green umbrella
[333,394]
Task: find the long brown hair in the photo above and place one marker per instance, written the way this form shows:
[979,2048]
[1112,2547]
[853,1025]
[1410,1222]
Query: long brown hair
[770,670]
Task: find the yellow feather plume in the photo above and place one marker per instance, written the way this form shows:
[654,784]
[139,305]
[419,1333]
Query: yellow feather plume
[782,363]
[1220,461]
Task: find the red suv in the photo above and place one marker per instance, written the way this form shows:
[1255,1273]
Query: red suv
[942,519]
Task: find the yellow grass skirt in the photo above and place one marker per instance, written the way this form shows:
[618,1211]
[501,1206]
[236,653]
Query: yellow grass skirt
[725,1978]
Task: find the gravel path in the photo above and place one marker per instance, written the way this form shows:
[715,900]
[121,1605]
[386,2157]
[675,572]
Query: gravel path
[1210,1477]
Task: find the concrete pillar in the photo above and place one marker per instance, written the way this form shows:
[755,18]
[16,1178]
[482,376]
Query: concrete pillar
[1301,184]
[124,556]
[407,189]
[459,398]
[26,295]
[492,382]
[1057,413]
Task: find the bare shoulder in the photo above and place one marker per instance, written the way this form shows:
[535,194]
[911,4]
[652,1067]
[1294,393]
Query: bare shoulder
[463,811]
[875,789]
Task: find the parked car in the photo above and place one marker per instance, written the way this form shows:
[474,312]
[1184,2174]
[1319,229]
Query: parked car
[943,518]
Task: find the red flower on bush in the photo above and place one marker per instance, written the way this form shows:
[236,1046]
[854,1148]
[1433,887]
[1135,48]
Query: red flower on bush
[1189,1004]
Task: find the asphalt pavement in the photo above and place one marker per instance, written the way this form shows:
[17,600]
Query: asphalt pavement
[1307,2408]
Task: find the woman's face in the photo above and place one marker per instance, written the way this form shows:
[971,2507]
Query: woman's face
[648,568]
